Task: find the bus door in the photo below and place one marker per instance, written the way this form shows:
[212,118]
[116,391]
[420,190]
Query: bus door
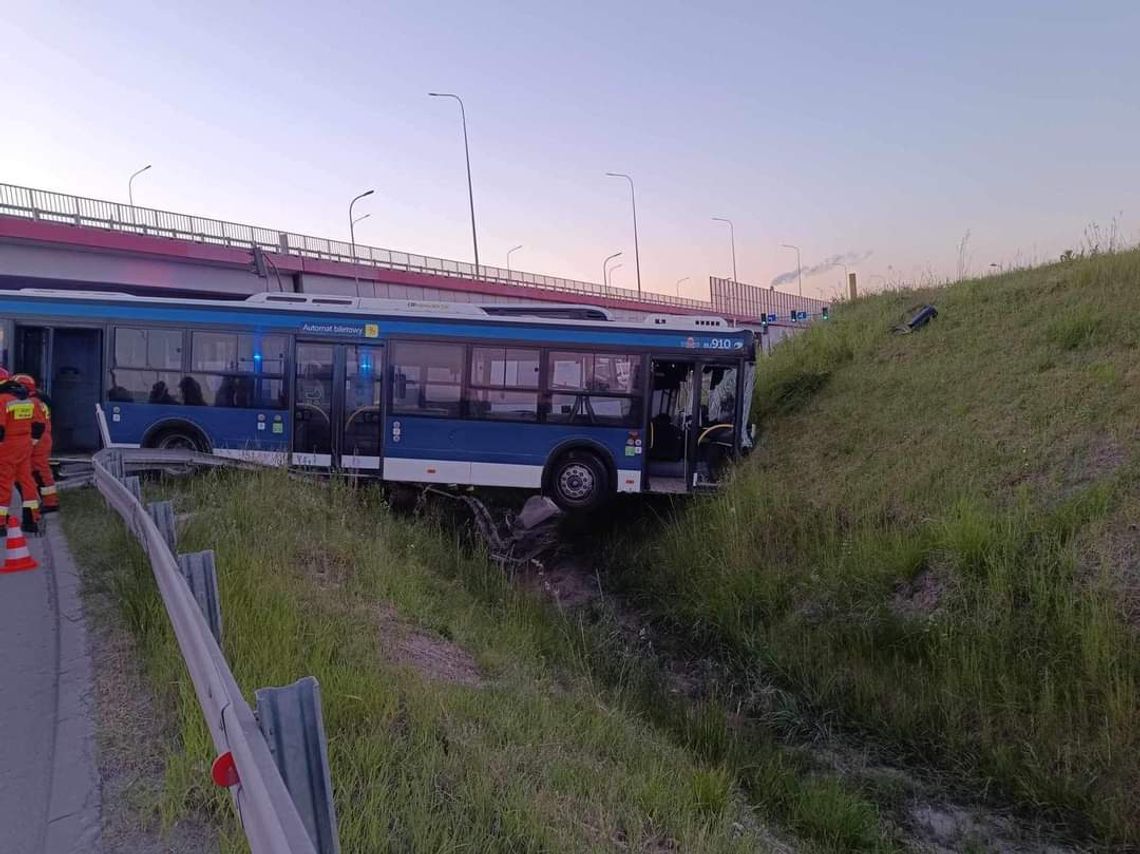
[337,397]
[692,423]
[716,436]
[669,460]
[68,364]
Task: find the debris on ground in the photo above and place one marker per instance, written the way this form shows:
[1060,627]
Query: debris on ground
[919,319]
[519,538]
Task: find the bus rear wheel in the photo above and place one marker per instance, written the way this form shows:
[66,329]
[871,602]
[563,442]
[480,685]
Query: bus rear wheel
[578,481]
[178,440]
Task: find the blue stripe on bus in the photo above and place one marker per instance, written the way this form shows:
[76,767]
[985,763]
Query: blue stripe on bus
[353,326]
[436,438]
[496,441]
[129,423]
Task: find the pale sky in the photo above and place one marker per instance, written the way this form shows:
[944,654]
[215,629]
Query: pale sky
[882,130]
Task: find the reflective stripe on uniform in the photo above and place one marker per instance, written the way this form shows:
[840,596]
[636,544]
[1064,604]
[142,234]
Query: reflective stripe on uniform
[31,505]
[48,490]
[21,410]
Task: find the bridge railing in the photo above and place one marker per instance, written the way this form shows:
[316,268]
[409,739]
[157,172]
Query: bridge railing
[50,206]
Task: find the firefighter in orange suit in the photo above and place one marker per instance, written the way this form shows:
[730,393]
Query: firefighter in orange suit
[41,450]
[18,429]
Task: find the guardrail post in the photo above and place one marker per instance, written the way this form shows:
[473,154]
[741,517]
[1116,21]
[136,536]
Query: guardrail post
[293,725]
[114,463]
[135,486]
[202,578]
[162,512]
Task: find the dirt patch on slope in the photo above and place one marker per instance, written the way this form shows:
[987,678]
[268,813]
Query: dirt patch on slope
[327,567]
[566,582]
[434,657]
[922,595]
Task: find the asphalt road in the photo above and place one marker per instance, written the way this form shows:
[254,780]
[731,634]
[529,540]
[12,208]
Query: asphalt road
[49,784]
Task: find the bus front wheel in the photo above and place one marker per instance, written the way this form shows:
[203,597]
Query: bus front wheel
[578,481]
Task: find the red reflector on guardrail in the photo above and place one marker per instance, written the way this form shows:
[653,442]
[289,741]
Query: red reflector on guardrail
[224,771]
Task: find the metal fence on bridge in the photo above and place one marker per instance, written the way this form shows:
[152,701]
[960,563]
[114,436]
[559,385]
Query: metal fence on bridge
[50,206]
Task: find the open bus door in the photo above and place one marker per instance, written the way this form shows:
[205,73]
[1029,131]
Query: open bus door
[694,423]
[67,362]
[337,407]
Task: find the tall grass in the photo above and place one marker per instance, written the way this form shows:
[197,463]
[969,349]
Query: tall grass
[565,739]
[919,542]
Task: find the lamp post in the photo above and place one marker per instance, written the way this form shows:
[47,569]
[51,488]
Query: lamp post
[799,266]
[467,156]
[731,237]
[633,201]
[678,285]
[131,190]
[509,251]
[611,273]
[605,266]
[130,184]
[352,235]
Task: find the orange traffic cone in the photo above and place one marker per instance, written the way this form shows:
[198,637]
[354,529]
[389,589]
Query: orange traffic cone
[18,557]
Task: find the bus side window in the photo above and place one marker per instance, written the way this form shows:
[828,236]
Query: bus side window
[594,388]
[147,365]
[433,377]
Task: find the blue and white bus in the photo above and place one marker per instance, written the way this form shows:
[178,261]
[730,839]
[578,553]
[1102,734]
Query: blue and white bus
[558,399]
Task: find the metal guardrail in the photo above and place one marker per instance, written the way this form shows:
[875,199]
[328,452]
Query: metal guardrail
[76,210]
[268,808]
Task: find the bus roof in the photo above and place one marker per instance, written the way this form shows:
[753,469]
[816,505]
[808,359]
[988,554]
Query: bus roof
[528,313]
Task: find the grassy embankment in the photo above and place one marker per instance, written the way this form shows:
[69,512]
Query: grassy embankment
[461,712]
[937,536]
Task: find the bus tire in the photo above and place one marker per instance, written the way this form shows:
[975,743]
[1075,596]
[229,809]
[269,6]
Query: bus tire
[179,437]
[578,481]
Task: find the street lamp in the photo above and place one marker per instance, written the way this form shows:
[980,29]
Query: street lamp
[633,201]
[131,191]
[605,265]
[352,235]
[509,251]
[678,285]
[799,267]
[130,183]
[467,155]
[611,273]
[360,218]
[732,237]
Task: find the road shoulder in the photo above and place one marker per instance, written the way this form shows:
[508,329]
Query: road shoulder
[133,731]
